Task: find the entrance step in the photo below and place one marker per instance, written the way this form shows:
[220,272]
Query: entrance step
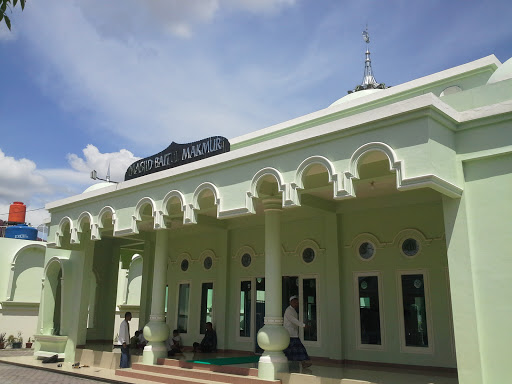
[180,372]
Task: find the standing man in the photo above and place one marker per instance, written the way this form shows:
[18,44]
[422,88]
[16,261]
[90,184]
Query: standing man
[124,339]
[295,350]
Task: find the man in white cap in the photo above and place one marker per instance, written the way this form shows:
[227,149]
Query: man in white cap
[295,350]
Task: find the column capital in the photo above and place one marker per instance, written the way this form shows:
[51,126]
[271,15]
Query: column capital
[272,204]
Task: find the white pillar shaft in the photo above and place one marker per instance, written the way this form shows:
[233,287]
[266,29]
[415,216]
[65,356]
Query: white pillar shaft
[273,280]
[159,274]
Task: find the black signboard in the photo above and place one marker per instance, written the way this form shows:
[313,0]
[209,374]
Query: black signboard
[178,154]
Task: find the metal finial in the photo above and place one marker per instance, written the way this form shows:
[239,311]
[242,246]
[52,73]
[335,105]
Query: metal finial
[366,35]
[369,81]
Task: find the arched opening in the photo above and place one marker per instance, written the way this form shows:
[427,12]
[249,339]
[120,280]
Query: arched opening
[145,220]
[206,202]
[375,175]
[28,267]
[174,212]
[52,299]
[107,225]
[84,228]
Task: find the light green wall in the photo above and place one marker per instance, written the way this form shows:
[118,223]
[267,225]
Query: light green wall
[479,96]
[488,189]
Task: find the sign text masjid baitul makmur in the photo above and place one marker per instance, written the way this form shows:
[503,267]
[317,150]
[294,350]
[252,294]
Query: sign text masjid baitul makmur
[178,154]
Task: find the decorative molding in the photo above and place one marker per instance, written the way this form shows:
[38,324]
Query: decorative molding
[79,223]
[334,178]
[366,236]
[204,187]
[397,166]
[60,231]
[157,221]
[208,253]
[273,320]
[174,194]
[289,193]
[96,235]
[299,249]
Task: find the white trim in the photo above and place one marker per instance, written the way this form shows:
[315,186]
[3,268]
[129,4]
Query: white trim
[411,233]
[307,243]
[357,312]
[428,309]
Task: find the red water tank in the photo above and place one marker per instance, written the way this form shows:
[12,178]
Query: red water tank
[17,212]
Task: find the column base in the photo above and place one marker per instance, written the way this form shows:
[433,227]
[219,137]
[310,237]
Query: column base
[153,352]
[272,363]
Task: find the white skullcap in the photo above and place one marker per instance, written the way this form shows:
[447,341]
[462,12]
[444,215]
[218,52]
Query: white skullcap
[294,297]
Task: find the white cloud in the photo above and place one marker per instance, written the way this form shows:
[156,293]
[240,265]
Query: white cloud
[21,180]
[145,89]
[95,160]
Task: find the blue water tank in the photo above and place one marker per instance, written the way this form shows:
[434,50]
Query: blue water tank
[21,231]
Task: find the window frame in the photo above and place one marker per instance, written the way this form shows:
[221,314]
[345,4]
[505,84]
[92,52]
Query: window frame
[357,312]
[200,302]
[318,342]
[178,284]
[428,307]
[246,339]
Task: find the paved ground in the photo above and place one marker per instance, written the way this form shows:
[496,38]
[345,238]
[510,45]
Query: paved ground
[12,374]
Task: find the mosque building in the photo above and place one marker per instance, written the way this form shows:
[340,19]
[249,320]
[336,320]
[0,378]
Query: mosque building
[377,211]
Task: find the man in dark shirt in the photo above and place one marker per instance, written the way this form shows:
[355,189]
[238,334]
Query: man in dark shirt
[209,342]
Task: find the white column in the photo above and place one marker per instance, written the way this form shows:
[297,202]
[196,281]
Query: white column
[157,331]
[273,338]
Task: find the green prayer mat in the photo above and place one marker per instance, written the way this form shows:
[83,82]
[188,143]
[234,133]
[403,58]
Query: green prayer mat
[227,360]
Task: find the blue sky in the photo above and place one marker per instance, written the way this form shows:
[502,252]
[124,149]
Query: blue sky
[85,83]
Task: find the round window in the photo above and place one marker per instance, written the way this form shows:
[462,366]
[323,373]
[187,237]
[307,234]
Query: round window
[418,283]
[410,247]
[308,255]
[184,265]
[366,250]
[208,262]
[246,260]
[364,284]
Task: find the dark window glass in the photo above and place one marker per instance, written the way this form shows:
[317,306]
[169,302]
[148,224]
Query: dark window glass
[415,311]
[246,260]
[245,309]
[366,250]
[208,262]
[206,305]
[310,305]
[410,247]
[183,308]
[369,313]
[308,255]
[184,265]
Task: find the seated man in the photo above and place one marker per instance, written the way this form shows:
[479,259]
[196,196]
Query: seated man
[173,343]
[209,342]
[134,341]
